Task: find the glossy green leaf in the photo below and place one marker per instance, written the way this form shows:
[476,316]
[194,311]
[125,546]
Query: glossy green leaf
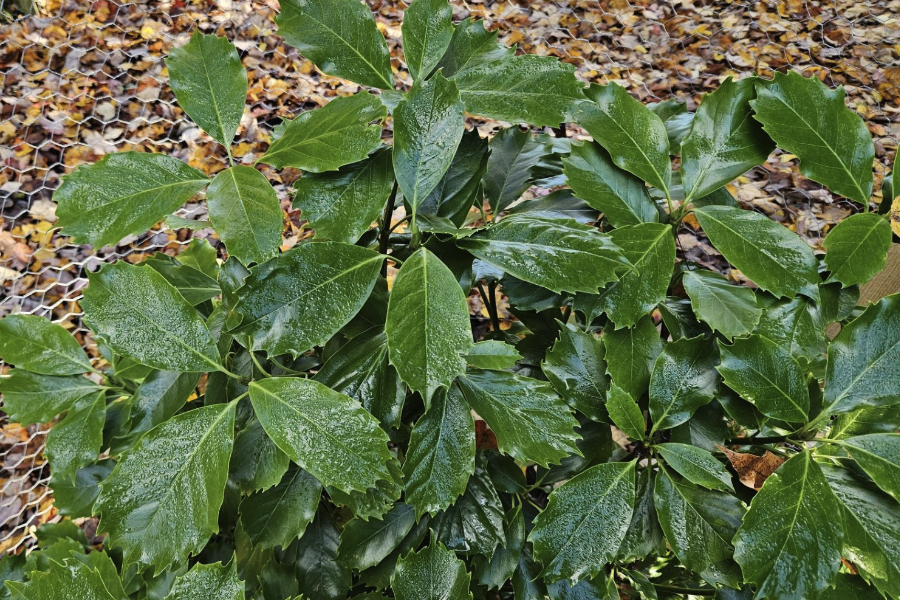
[808,119]
[644,534]
[460,187]
[527,581]
[256,463]
[425,348]
[856,249]
[433,573]
[863,358]
[556,254]
[625,413]
[699,525]
[161,503]
[428,126]
[871,528]
[279,515]
[576,368]
[492,354]
[325,432]
[75,577]
[327,138]
[789,544]
[74,499]
[209,582]
[210,84]
[538,90]
[361,370]
[496,571]
[303,297]
[696,465]
[729,309]
[246,213]
[427,30]
[764,373]
[684,378]
[797,325]
[776,259]
[380,576]
[650,249]
[601,587]
[868,419]
[474,524]
[618,194]
[559,204]
[319,573]
[159,397]
[124,193]
[879,455]
[40,346]
[340,37]
[850,587]
[76,441]
[138,313]
[630,355]
[441,454]
[635,138]
[195,286]
[471,45]
[375,501]
[365,544]
[200,255]
[596,446]
[585,522]
[506,475]
[724,142]
[513,154]
[530,421]
[342,205]
[32,398]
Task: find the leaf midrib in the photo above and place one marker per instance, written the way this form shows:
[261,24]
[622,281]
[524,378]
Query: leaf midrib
[350,46]
[636,145]
[308,291]
[323,432]
[825,144]
[36,342]
[186,463]
[143,317]
[592,510]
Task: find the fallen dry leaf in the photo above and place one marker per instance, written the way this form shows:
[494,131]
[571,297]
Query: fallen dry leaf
[484,437]
[16,250]
[752,470]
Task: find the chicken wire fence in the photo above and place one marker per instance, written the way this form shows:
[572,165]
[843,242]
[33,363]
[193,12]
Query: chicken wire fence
[83,78]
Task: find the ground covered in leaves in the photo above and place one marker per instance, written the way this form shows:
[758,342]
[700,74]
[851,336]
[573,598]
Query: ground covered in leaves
[84,78]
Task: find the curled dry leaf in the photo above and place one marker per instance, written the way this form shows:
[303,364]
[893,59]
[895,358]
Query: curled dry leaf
[752,470]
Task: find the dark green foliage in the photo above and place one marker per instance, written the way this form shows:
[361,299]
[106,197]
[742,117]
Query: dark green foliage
[341,420]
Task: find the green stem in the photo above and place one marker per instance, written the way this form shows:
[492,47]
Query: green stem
[258,366]
[286,369]
[230,374]
[828,441]
[812,425]
[672,589]
[669,202]
[239,398]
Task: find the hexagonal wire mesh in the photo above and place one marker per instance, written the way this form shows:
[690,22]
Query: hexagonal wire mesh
[83,78]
